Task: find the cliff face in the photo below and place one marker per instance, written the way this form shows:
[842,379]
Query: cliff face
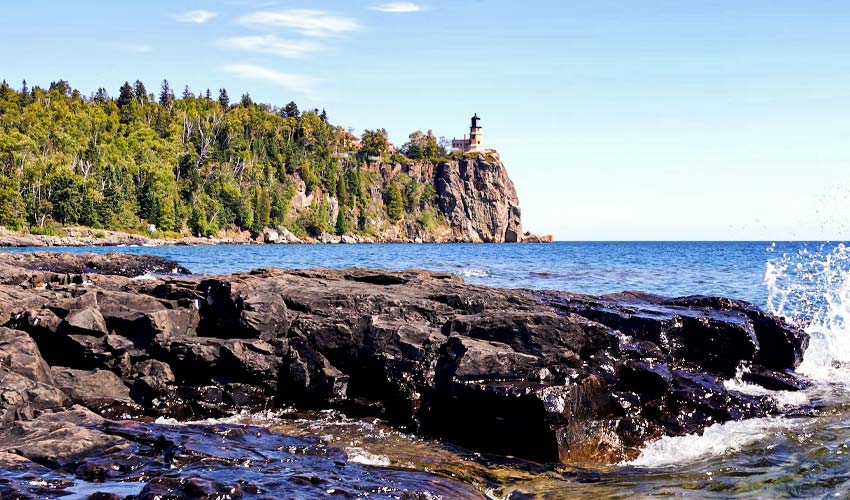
[468,198]
[478,200]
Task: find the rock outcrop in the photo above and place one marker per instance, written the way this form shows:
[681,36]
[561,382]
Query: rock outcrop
[548,376]
[478,200]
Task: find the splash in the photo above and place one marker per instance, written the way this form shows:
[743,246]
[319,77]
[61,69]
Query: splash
[812,288]
[475,273]
[717,439]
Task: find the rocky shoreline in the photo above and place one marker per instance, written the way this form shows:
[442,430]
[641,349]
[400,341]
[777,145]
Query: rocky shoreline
[544,376]
[89,237]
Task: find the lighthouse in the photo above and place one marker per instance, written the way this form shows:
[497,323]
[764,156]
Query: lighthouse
[473,142]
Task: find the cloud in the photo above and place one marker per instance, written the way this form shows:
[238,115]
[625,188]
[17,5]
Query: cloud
[196,16]
[398,7]
[308,22]
[272,44]
[138,48]
[297,83]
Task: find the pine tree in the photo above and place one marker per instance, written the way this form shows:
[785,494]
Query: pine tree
[395,203]
[223,98]
[140,91]
[101,95]
[25,95]
[166,96]
[291,110]
[246,101]
[341,223]
[186,92]
[208,95]
[324,116]
[125,96]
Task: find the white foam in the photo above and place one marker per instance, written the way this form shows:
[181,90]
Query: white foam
[716,440]
[785,399]
[813,289]
[363,457]
[475,273]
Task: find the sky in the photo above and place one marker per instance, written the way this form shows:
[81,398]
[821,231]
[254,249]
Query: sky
[616,120]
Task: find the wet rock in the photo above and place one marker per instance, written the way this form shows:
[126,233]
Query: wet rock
[116,264]
[554,376]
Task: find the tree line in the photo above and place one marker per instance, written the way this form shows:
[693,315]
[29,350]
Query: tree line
[193,163]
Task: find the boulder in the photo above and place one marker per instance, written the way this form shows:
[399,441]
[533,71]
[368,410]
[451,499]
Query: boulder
[92,389]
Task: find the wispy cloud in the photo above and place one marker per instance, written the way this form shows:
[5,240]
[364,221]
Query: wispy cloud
[196,16]
[298,83]
[272,44]
[398,7]
[138,48]
[308,22]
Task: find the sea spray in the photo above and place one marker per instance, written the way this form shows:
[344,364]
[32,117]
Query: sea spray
[812,288]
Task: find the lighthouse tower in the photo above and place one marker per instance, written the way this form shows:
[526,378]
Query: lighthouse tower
[473,143]
[475,140]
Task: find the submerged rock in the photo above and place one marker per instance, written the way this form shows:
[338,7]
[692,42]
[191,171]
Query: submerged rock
[547,376]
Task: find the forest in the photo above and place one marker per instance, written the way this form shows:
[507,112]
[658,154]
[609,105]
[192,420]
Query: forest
[194,164]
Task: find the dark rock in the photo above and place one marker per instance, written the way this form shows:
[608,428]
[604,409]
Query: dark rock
[117,264]
[549,376]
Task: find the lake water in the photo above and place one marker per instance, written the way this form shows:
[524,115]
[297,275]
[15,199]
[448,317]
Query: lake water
[735,269]
[804,456]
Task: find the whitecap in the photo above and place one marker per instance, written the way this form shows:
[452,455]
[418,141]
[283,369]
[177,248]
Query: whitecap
[363,457]
[475,273]
[716,440]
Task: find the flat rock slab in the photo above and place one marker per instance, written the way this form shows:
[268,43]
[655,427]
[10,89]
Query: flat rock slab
[158,461]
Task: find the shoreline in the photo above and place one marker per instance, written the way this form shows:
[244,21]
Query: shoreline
[90,237]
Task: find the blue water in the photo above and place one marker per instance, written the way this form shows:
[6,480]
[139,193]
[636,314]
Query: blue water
[734,269]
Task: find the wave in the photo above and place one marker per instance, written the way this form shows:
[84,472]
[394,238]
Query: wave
[476,273]
[716,440]
[812,288]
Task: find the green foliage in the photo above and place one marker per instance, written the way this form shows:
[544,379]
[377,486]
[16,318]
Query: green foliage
[316,219]
[342,226]
[189,163]
[192,164]
[395,203]
[428,219]
[374,143]
[423,146]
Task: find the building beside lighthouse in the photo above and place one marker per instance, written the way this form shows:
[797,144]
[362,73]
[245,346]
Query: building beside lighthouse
[473,142]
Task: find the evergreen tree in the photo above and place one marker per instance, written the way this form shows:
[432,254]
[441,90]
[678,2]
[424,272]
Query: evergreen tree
[125,96]
[395,203]
[223,98]
[186,92]
[324,116]
[246,101]
[25,97]
[342,223]
[291,110]
[101,96]
[208,95]
[140,91]
[166,96]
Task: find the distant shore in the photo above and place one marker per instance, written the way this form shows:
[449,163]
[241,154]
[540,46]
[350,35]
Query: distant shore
[91,237]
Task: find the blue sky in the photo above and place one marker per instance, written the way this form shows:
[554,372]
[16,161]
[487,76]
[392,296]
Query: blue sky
[616,119]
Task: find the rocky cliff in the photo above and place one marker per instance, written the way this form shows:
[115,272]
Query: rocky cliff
[465,198]
[478,200]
